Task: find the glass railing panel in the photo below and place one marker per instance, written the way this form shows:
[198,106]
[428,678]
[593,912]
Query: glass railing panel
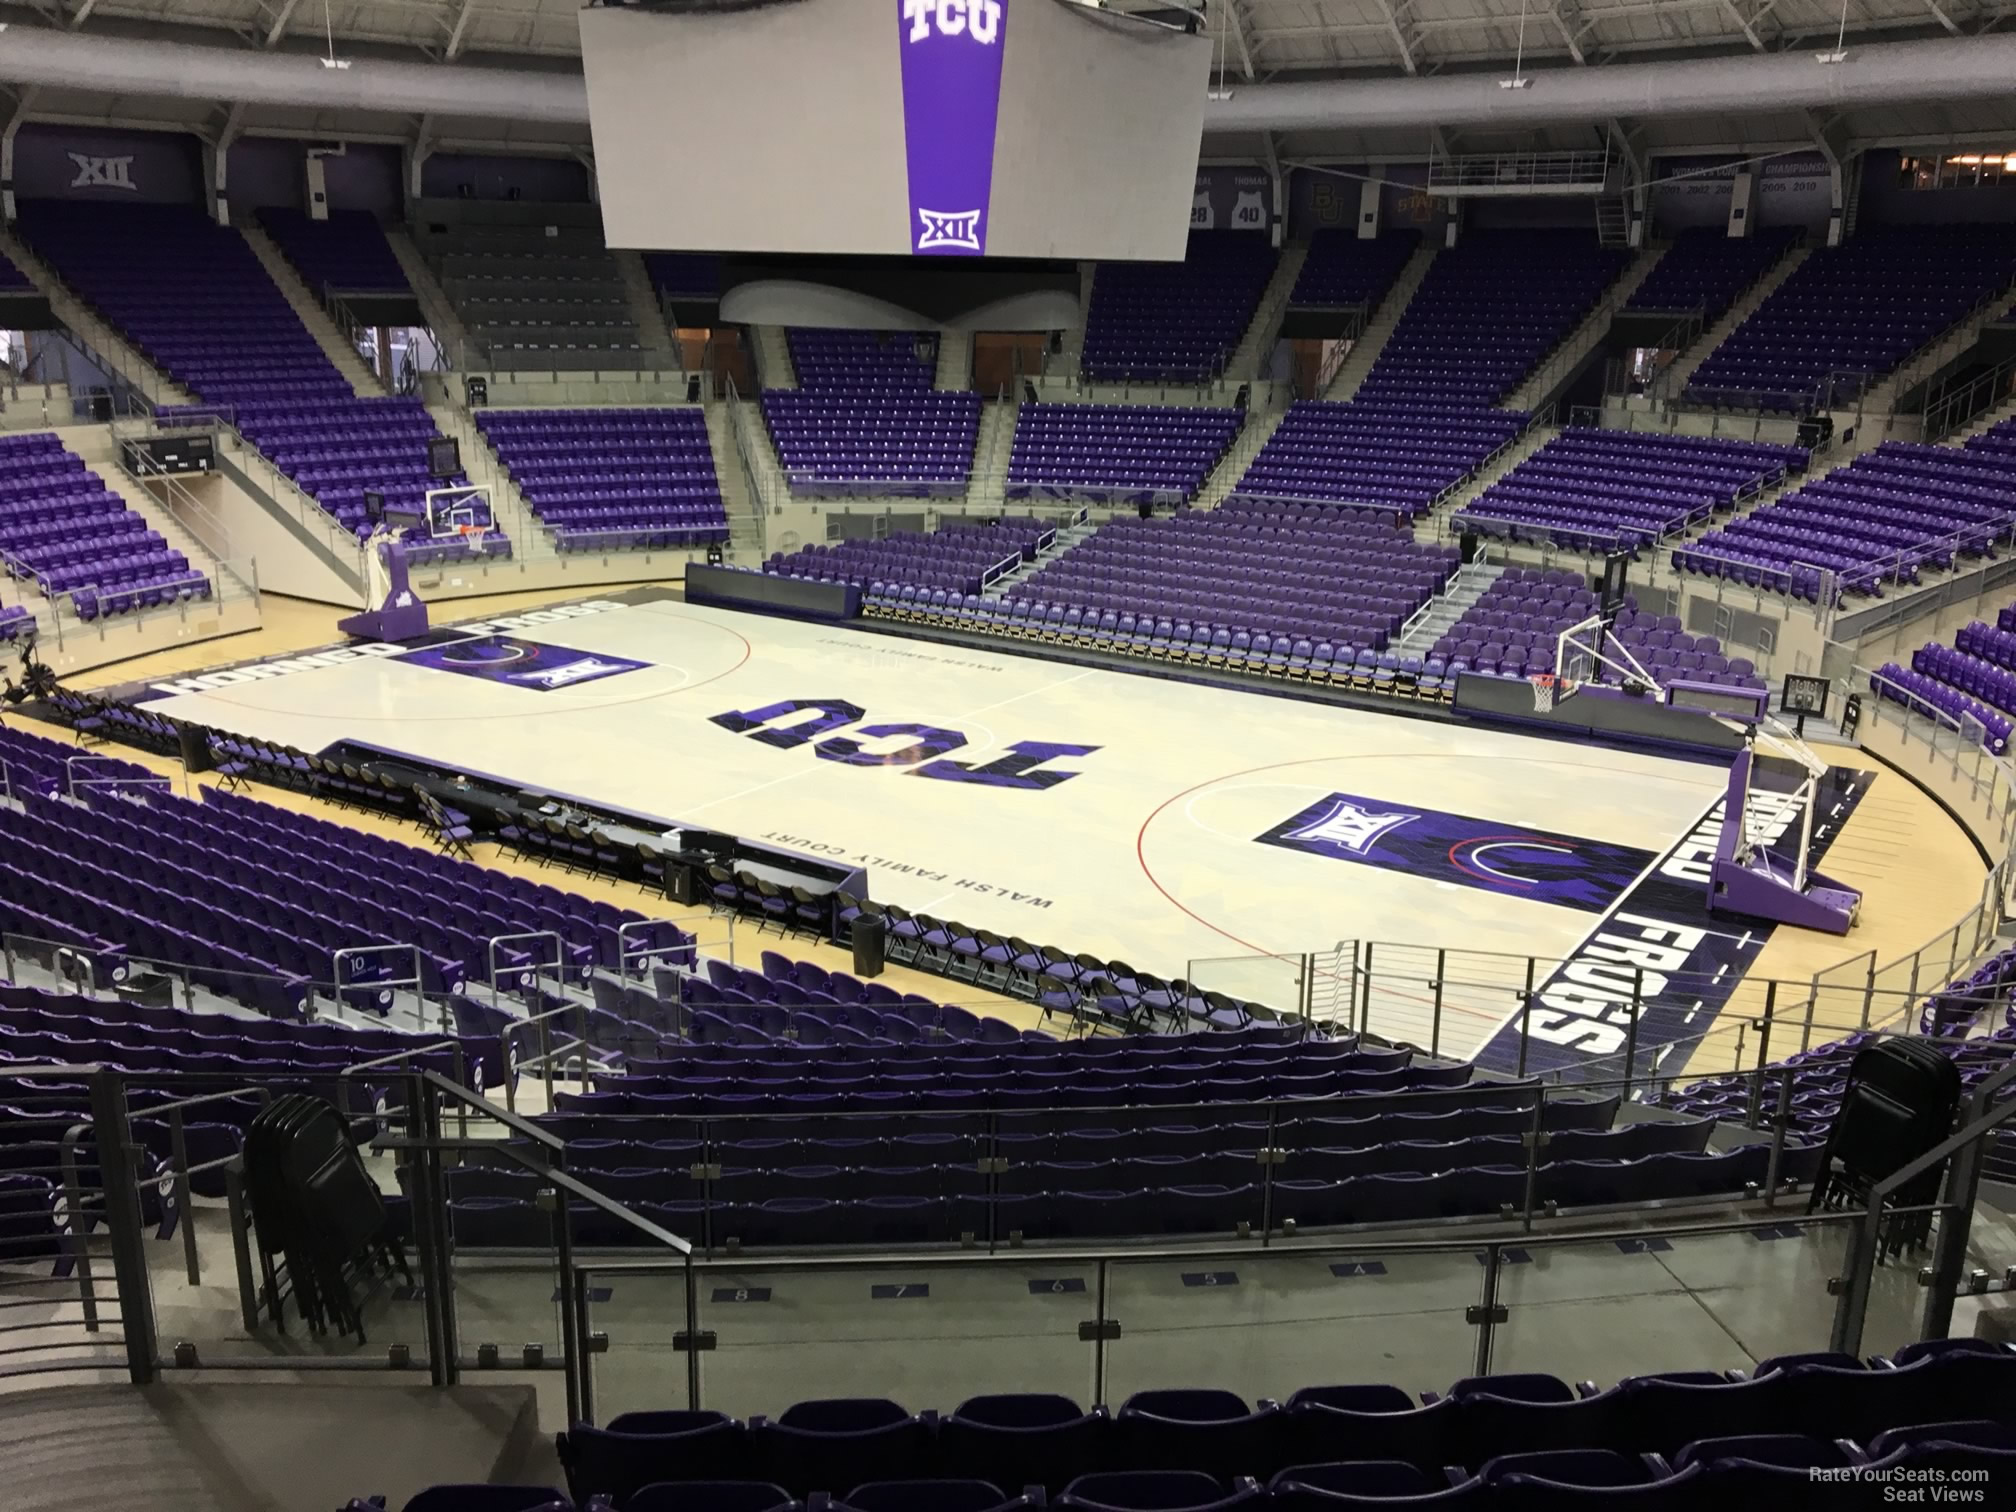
[926,1334]
[1268,1322]
[1605,1309]
[1719,1297]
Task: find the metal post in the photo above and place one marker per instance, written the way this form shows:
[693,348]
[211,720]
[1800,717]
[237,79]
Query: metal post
[241,1242]
[1365,1011]
[1535,1138]
[1099,1339]
[1435,1024]
[1267,1179]
[1779,1119]
[546,1061]
[1806,1030]
[79,1237]
[1764,1024]
[178,1151]
[430,1239]
[1858,1265]
[572,1345]
[1485,1315]
[1949,1253]
[692,1337]
[123,1224]
[1525,1015]
[1631,1030]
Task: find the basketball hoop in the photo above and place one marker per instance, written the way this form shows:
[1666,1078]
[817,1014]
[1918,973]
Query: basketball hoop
[472,537]
[1550,689]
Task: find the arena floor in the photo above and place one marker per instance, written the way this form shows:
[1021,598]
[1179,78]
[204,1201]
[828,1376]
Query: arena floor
[1163,823]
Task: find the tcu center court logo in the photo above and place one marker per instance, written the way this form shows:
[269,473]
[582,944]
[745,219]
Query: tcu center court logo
[584,670]
[919,750]
[1350,827]
[102,172]
[940,228]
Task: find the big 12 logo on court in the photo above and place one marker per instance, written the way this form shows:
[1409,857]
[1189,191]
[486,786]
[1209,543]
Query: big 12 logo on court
[795,722]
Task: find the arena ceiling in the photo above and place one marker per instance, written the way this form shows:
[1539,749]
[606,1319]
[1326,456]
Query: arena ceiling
[1256,41]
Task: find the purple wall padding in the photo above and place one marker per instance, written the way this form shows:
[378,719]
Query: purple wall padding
[88,162]
[542,180]
[367,177]
[266,171]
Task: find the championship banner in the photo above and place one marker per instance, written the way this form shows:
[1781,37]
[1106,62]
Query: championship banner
[951,52]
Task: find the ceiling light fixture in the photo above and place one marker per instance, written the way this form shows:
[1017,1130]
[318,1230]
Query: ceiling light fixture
[329,30]
[1518,79]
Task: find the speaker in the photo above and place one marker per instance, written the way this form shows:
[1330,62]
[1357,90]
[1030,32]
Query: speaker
[682,884]
[870,936]
[1469,545]
[101,408]
[195,743]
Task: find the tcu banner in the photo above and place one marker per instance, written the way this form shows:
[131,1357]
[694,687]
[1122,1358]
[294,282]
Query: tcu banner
[951,95]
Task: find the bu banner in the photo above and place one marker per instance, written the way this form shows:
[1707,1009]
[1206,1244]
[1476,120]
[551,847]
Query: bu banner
[951,53]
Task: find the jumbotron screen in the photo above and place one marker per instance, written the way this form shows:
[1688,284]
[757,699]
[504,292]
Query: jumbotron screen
[949,128]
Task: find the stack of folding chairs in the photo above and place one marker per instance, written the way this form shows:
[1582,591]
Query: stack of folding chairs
[319,1216]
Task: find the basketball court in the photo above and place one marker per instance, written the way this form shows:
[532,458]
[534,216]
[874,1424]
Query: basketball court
[1183,828]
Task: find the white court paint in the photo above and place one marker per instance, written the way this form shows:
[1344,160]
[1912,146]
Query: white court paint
[1146,854]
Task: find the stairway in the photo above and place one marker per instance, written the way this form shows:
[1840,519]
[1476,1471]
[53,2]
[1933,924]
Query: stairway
[987,489]
[1613,220]
[1067,539]
[766,469]
[161,518]
[955,361]
[1674,379]
[1378,327]
[1534,437]
[1934,355]
[1470,585]
[435,305]
[1265,327]
[773,358]
[1546,380]
[661,348]
[1988,421]
[335,346]
[745,525]
[482,466]
[1224,477]
[125,359]
[1065,364]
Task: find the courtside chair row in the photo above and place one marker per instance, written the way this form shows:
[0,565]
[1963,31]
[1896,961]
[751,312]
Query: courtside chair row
[1685,1441]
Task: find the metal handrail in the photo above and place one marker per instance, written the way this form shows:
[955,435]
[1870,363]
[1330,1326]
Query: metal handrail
[1961,403]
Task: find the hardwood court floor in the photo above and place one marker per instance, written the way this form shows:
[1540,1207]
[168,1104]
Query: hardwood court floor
[1146,853]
